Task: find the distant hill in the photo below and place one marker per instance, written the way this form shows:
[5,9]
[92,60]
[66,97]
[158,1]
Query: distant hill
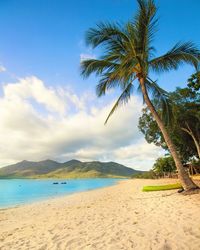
[69,169]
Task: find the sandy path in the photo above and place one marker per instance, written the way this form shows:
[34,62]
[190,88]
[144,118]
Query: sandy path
[117,217]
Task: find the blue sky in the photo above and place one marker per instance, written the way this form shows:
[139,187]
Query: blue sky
[46,37]
[43,94]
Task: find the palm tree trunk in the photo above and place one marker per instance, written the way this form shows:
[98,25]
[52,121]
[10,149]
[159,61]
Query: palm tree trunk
[184,178]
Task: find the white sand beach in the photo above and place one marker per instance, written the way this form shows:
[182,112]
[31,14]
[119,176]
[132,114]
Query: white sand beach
[116,217]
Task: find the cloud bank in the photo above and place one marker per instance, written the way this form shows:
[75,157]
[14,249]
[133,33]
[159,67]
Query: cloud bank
[39,122]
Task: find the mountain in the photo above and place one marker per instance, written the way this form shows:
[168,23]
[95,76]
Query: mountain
[69,169]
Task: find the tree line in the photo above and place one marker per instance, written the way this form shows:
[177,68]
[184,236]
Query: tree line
[183,126]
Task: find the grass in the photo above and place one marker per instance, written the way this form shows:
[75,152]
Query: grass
[161,187]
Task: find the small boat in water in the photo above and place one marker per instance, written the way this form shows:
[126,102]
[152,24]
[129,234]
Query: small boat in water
[64,182]
[55,183]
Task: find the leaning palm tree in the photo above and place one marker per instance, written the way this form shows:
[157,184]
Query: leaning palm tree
[128,58]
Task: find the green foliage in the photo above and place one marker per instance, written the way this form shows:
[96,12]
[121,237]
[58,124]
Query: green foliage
[148,126]
[181,52]
[194,81]
[162,187]
[195,162]
[186,116]
[164,165]
[145,175]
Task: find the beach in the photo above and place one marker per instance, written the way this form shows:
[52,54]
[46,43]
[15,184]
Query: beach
[115,217]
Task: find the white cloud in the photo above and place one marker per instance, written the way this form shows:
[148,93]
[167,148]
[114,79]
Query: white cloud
[2,68]
[32,87]
[39,122]
[85,56]
[144,154]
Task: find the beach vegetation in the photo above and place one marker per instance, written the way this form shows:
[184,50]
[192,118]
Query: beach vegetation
[164,166]
[184,126]
[145,175]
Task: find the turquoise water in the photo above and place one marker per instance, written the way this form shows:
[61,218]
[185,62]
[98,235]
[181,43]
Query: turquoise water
[19,191]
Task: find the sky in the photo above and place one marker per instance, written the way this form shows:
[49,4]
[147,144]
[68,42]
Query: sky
[47,110]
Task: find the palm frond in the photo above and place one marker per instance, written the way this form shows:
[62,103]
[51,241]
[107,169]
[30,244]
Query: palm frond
[90,66]
[104,32]
[163,102]
[106,83]
[146,25]
[179,54]
[160,99]
[113,79]
[123,99]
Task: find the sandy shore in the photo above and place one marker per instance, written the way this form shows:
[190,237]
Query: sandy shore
[117,217]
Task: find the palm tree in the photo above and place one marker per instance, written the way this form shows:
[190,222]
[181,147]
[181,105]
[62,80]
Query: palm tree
[128,57]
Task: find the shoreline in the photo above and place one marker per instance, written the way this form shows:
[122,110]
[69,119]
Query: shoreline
[49,199]
[63,195]
[120,216]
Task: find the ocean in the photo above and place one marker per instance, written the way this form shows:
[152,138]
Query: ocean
[14,192]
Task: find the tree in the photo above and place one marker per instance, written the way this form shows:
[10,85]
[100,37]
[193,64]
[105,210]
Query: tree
[148,126]
[164,165]
[189,122]
[184,128]
[194,81]
[186,110]
[127,57]
[145,175]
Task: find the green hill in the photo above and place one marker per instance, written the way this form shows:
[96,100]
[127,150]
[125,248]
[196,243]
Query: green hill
[70,169]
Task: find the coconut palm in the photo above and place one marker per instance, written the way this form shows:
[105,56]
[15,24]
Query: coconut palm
[128,58]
